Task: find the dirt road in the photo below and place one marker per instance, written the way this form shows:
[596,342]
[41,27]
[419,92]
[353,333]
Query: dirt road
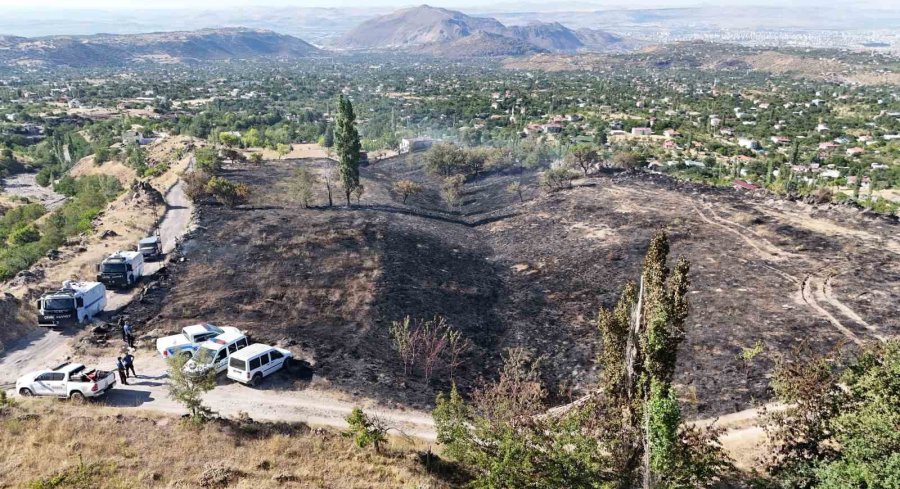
[279,398]
[24,185]
[49,347]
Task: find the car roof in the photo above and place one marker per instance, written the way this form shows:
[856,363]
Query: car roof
[222,339]
[251,351]
[201,328]
[150,240]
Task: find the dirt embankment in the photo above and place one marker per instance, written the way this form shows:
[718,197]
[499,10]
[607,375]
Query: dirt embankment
[331,280]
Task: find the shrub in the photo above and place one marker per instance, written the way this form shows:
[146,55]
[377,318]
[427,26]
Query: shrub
[366,430]
[227,192]
[407,188]
[23,235]
[556,179]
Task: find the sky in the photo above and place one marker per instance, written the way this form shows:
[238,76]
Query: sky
[12,5]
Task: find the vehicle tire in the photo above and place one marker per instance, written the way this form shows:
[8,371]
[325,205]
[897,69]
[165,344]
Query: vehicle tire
[25,392]
[256,380]
[76,396]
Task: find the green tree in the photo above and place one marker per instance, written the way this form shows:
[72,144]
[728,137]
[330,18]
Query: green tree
[346,140]
[302,185]
[229,139]
[188,389]
[839,424]
[227,192]
[207,160]
[328,142]
[366,430]
[252,138]
[584,156]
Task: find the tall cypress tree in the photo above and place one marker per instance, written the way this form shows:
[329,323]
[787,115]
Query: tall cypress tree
[346,141]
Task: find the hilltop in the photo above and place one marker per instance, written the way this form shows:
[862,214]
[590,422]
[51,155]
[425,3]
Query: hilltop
[448,32]
[158,47]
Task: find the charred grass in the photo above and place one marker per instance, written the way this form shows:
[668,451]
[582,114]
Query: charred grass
[330,280]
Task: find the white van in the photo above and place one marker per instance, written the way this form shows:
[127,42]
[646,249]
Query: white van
[214,353]
[250,365]
[74,303]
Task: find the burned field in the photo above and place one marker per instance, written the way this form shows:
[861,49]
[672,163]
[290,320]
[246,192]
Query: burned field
[330,280]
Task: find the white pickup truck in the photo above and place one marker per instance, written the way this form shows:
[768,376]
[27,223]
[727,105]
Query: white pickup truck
[190,339]
[69,380]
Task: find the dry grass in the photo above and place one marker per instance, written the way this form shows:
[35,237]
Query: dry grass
[92,446]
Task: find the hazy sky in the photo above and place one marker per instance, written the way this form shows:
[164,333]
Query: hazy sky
[10,5]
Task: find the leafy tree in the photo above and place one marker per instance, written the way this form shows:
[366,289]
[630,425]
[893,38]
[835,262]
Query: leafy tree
[227,192]
[584,156]
[256,158]
[445,159]
[407,188]
[302,185]
[556,179]
[358,192]
[207,160]
[188,389]
[282,150]
[837,430]
[229,139]
[252,138]
[346,140]
[626,160]
[366,430]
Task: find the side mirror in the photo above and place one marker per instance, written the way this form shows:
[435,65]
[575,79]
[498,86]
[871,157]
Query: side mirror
[79,302]
[129,268]
[97,267]
[39,304]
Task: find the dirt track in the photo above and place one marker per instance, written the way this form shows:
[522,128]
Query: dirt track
[45,347]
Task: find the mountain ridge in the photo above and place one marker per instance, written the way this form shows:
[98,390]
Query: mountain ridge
[156,47]
[449,32]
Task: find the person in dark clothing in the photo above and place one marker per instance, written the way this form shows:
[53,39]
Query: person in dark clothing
[123,376]
[128,334]
[128,361]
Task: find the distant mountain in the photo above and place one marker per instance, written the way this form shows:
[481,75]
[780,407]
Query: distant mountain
[159,47]
[548,36]
[448,32]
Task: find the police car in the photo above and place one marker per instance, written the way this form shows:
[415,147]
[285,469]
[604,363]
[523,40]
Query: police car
[190,339]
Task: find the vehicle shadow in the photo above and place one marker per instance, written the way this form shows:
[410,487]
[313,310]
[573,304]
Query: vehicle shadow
[124,397]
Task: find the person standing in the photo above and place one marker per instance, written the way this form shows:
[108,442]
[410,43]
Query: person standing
[128,334]
[128,361]
[123,376]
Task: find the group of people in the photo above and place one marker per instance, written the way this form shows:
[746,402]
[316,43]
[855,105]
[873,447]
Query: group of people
[125,364]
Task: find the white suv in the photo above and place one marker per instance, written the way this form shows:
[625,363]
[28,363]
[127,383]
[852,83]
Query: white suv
[250,365]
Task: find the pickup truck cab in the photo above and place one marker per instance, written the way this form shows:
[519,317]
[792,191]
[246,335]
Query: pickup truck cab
[214,354]
[190,339]
[69,380]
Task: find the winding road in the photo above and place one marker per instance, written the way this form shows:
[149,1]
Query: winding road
[50,347]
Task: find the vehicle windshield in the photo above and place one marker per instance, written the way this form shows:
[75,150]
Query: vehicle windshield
[113,268]
[59,304]
[148,246]
[205,356]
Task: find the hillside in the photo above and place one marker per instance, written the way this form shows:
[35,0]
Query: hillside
[330,281]
[447,32]
[158,47]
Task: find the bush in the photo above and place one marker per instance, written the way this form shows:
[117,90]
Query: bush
[556,179]
[23,235]
[366,430]
[195,185]
[227,192]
